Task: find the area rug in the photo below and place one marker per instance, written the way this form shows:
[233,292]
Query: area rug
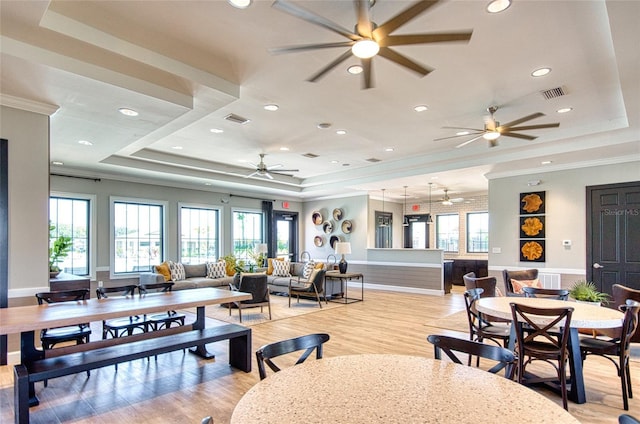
[455,322]
[279,310]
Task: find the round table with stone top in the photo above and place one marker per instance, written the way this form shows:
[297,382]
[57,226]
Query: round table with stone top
[377,388]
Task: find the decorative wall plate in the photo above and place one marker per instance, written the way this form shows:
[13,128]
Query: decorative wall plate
[333,240]
[347,226]
[316,218]
[318,241]
[327,227]
[337,214]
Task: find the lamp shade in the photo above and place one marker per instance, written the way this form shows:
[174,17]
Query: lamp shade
[262,248]
[343,248]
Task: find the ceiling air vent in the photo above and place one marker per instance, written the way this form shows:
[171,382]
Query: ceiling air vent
[553,93]
[310,155]
[236,118]
[373,160]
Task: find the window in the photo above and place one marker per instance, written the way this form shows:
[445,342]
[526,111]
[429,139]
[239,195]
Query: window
[478,232]
[138,236]
[199,235]
[247,233]
[447,232]
[70,216]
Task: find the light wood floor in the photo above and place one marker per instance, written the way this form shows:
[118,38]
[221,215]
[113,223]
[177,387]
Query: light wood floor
[182,388]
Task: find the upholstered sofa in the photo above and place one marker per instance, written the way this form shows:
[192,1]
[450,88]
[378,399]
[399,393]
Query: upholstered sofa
[195,276]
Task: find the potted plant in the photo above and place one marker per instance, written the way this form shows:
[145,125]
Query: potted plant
[58,251]
[586,291]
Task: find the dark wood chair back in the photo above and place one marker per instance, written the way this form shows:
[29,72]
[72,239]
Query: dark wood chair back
[558,294]
[62,296]
[488,284]
[257,286]
[479,327]
[527,274]
[309,343]
[126,291]
[155,287]
[620,294]
[76,333]
[505,358]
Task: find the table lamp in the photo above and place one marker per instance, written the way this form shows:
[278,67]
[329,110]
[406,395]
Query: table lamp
[343,248]
[262,251]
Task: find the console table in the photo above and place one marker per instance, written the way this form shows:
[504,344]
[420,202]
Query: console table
[344,279]
[65,281]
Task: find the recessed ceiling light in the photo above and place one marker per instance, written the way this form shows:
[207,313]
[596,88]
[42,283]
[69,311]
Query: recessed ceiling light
[497,6]
[540,72]
[546,162]
[355,69]
[420,108]
[208,184]
[57,163]
[434,177]
[240,4]
[216,130]
[334,161]
[85,142]
[284,149]
[341,132]
[462,133]
[127,112]
[177,147]
[565,110]
[271,107]
[388,149]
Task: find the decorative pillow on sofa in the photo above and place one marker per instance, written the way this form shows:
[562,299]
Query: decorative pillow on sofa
[281,269]
[308,269]
[270,264]
[163,269]
[217,269]
[519,284]
[177,271]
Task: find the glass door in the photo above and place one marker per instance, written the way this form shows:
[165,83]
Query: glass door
[384,234]
[286,235]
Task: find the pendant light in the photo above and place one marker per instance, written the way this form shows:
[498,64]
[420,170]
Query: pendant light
[405,221]
[430,218]
[382,218]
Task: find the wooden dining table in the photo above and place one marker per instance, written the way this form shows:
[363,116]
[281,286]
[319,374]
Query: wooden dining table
[584,316]
[385,388]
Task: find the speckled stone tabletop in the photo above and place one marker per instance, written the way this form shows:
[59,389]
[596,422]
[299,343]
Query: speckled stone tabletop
[392,389]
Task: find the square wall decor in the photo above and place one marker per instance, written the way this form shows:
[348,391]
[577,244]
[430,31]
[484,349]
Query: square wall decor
[532,203]
[532,251]
[532,227]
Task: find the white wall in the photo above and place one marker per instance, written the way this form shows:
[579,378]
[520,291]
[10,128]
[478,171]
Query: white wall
[565,215]
[28,175]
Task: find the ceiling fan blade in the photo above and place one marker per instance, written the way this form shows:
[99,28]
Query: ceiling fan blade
[404,61]
[284,170]
[367,77]
[363,27]
[266,174]
[522,136]
[309,16]
[253,174]
[535,127]
[306,47]
[276,166]
[402,18]
[465,128]
[523,119]
[405,39]
[467,142]
[330,66]
[454,136]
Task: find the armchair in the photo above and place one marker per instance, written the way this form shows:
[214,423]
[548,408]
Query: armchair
[255,284]
[527,274]
[314,286]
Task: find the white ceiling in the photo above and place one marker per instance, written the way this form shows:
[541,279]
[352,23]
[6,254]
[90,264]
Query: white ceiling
[185,65]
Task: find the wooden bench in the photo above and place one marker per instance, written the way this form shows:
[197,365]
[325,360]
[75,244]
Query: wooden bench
[91,358]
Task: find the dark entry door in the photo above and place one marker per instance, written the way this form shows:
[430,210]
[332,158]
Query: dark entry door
[613,235]
[286,234]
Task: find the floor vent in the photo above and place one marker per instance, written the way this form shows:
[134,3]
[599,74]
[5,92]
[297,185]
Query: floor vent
[236,118]
[549,281]
[310,155]
[553,93]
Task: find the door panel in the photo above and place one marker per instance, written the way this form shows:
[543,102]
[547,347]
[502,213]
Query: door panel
[613,235]
[286,224]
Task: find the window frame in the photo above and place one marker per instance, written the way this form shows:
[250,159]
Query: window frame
[91,225]
[438,216]
[117,199]
[218,227]
[233,236]
[468,232]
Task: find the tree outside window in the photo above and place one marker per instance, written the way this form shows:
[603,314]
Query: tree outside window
[138,236]
[247,233]
[199,235]
[70,217]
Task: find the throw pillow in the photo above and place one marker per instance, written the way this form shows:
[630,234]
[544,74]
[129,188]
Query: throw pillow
[313,275]
[308,268]
[177,271]
[216,269]
[519,284]
[281,269]
[270,264]
[163,269]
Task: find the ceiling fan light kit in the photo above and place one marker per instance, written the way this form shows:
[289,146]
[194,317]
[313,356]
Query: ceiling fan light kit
[264,171]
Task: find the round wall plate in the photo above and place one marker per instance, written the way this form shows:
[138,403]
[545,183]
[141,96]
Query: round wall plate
[347,226]
[316,217]
[318,241]
[337,214]
[327,227]
[333,240]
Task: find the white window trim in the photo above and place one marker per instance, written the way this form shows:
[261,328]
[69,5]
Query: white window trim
[93,254]
[466,232]
[112,250]
[238,209]
[436,232]
[200,206]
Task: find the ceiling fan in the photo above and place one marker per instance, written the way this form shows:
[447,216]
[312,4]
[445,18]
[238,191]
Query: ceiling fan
[446,200]
[493,130]
[262,170]
[369,39]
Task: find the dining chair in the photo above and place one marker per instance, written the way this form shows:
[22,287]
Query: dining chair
[314,286]
[542,342]
[558,294]
[488,284]
[520,275]
[119,327]
[163,320]
[620,294]
[257,286]
[627,419]
[505,358]
[479,326]
[309,343]
[617,350]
